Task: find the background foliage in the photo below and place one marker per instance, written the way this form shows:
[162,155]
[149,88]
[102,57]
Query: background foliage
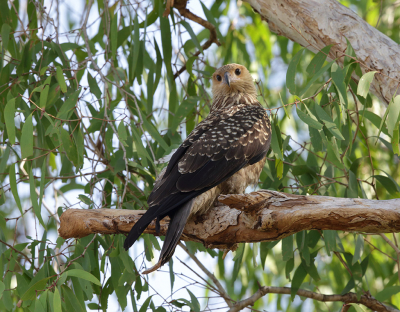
[92,94]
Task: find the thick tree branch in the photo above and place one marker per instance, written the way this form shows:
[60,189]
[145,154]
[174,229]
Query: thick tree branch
[317,23]
[259,216]
[365,300]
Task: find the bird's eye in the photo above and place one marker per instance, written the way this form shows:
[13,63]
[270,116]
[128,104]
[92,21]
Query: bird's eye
[219,78]
[237,71]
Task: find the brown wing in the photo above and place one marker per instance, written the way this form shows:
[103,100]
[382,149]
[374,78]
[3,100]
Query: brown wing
[218,148]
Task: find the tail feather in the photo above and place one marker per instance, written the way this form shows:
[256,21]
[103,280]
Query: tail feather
[175,229]
[174,232]
[139,227]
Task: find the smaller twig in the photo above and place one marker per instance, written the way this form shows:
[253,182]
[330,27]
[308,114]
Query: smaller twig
[213,34]
[211,276]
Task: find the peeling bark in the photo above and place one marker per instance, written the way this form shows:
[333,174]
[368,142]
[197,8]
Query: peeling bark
[259,216]
[317,23]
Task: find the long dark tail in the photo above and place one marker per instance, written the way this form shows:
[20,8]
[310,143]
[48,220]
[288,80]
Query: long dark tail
[174,232]
[177,223]
[139,227]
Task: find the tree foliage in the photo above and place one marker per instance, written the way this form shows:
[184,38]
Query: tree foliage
[93,93]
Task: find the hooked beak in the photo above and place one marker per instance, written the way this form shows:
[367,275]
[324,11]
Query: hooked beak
[226,76]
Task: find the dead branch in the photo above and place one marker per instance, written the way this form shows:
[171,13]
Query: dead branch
[366,300]
[259,216]
[317,23]
[181,6]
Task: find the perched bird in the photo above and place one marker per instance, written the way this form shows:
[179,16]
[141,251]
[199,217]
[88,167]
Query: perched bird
[224,154]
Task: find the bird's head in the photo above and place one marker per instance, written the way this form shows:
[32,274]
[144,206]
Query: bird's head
[232,79]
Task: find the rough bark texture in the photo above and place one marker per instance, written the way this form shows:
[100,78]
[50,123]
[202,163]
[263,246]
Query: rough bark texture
[317,23]
[258,216]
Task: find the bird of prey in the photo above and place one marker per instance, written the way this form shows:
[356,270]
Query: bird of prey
[224,154]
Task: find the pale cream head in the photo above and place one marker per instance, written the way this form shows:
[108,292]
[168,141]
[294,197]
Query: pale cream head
[232,79]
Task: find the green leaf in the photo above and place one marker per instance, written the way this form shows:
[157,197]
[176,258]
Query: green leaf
[68,106]
[393,114]
[388,184]
[165,39]
[94,87]
[356,307]
[328,122]
[86,200]
[359,249]
[114,35]
[211,19]
[316,140]
[2,287]
[289,268]
[34,199]
[138,146]
[135,47]
[330,241]
[194,301]
[291,72]
[318,60]
[183,111]
[60,79]
[364,83]
[57,301]
[189,65]
[30,294]
[395,140]
[84,275]
[145,305]
[275,145]
[13,185]
[287,248]
[387,293]
[338,80]
[154,133]
[27,138]
[238,260]
[69,147]
[9,113]
[5,36]
[310,120]
[122,133]
[315,78]
[298,278]
[192,35]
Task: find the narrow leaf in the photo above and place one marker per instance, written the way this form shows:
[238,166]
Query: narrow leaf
[9,113]
[311,121]
[359,249]
[114,35]
[192,35]
[30,294]
[194,301]
[27,138]
[13,185]
[298,278]
[60,79]
[57,301]
[34,199]
[287,248]
[393,114]
[318,60]
[291,72]
[94,87]
[84,275]
[364,83]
